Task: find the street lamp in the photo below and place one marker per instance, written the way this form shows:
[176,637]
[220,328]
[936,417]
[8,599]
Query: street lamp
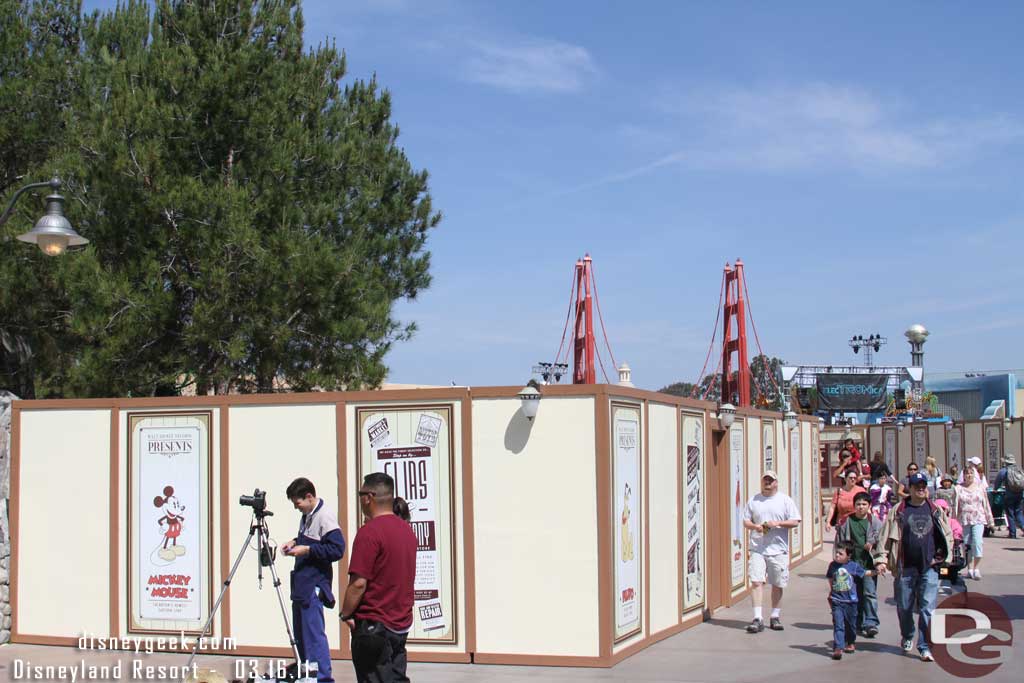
[529,401]
[53,232]
[727,415]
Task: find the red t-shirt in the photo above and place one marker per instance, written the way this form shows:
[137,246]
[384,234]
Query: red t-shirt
[384,553]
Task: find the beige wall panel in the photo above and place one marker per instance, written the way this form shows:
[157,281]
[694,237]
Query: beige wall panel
[122,529]
[937,445]
[905,450]
[66,452]
[755,458]
[521,541]
[809,471]
[973,436]
[1018,405]
[664,516]
[876,441]
[271,446]
[1012,441]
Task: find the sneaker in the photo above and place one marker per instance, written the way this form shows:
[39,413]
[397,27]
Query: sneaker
[908,645]
[926,656]
[775,624]
[756,626]
[977,574]
[871,632]
[837,654]
[850,649]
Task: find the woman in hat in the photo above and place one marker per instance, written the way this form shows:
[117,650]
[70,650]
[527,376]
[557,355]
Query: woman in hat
[974,463]
[974,514]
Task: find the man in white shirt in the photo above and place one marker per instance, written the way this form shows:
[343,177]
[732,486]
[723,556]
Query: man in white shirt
[769,516]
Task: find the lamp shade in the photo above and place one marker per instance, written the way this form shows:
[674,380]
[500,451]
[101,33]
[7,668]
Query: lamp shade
[727,414]
[53,233]
[790,419]
[529,401]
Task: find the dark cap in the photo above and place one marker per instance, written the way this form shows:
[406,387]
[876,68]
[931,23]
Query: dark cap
[917,478]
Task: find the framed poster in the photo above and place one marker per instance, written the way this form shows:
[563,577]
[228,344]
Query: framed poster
[815,467]
[414,445]
[890,448]
[795,487]
[955,449]
[692,471]
[738,494]
[768,446]
[170,565]
[993,450]
[627,499]
[920,445]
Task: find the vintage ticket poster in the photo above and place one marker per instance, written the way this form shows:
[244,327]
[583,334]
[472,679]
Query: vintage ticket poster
[413,446]
[993,448]
[889,448]
[920,445]
[795,486]
[738,494]
[954,449]
[814,461]
[169,511]
[692,471]
[768,444]
[628,510]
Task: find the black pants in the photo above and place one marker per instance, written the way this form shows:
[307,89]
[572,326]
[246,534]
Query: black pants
[378,654]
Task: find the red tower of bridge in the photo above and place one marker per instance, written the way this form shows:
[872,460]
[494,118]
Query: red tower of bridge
[735,380]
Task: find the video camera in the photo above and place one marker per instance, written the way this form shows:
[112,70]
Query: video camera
[257,501]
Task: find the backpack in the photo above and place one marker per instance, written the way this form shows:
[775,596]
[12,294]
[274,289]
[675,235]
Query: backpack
[1014,479]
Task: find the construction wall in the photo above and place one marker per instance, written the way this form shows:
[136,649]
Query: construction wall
[595,510]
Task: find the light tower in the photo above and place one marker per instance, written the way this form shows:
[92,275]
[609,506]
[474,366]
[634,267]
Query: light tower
[871,345]
[917,335]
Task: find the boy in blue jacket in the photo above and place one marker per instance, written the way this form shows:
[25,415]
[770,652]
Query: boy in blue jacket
[317,547]
[842,597]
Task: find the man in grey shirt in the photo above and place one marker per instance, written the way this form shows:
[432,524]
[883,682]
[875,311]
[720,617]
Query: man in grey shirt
[769,516]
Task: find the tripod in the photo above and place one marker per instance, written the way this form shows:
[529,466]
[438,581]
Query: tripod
[258,528]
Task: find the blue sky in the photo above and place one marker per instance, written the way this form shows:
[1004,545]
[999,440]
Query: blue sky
[865,163]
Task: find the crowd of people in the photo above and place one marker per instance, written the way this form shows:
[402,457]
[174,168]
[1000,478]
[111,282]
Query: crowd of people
[908,528]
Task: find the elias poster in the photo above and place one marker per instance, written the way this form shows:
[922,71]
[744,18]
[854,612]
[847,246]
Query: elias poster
[795,485]
[692,469]
[169,508]
[738,498]
[628,506]
[413,446]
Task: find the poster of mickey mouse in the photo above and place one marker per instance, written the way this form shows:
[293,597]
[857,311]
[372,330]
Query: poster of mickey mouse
[170,511]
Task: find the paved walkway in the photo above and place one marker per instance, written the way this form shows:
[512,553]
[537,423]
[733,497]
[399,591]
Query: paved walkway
[718,650]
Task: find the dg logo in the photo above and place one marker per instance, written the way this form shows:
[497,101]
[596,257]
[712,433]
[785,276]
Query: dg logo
[971,635]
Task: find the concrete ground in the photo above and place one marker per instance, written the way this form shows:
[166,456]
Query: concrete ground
[718,650]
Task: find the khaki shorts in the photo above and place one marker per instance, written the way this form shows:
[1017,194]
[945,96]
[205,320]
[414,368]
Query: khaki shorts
[771,568]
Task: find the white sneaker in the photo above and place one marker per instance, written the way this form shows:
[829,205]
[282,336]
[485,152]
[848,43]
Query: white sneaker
[970,573]
[977,573]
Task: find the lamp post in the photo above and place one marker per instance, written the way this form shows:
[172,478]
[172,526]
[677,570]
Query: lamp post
[52,233]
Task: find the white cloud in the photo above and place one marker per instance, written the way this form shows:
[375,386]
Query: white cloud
[820,124]
[529,65]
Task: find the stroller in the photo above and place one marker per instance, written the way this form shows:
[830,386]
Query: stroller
[995,501]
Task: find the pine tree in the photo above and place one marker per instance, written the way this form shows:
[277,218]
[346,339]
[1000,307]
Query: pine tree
[252,221]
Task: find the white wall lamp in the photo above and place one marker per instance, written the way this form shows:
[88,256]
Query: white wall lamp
[791,419]
[821,425]
[900,425]
[949,426]
[726,415]
[529,401]
[1007,422]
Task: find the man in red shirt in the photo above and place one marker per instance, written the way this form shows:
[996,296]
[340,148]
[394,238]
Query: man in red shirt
[379,598]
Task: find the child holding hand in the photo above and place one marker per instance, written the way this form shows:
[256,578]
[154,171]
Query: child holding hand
[842,597]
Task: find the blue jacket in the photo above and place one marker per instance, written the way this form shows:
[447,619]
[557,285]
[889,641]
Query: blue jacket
[320,531]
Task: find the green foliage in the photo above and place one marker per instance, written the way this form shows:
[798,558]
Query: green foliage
[684,389]
[252,222]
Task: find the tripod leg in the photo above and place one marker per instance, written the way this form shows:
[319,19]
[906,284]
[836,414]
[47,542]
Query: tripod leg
[220,598]
[280,600]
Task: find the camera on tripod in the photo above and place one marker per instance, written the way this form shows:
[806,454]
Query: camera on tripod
[257,501]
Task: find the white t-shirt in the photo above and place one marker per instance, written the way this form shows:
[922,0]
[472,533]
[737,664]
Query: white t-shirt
[778,508]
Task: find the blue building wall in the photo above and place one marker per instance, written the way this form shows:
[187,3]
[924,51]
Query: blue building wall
[992,388]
